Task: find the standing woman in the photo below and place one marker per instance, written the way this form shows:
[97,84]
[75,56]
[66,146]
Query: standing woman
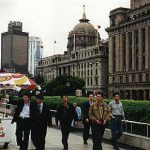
[65,114]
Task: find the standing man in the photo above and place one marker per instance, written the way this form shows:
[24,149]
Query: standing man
[99,114]
[24,116]
[39,129]
[65,114]
[85,117]
[117,114]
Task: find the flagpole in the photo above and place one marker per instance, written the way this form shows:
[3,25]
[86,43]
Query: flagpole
[98,27]
[74,42]
[54,47]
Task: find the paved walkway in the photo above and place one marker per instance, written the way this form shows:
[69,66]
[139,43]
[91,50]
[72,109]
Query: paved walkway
[53,141]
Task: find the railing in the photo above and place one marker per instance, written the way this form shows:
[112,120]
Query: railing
[138,128]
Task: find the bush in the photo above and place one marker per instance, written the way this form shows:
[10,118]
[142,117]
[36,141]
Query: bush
[134,110]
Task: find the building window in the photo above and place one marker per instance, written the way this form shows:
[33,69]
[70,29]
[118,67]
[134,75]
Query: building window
[140,77]
[96,71]
[133,78]
[127,79]
[113,79]
[91,82]
[147,77]
[121,79]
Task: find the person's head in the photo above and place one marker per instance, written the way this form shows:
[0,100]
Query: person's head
[74,105]
[91,96]
[116,96]
[64,99]
[26,97]
[39,97]
[99,96]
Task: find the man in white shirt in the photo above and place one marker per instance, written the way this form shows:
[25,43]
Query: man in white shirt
[24,116]
[117,114]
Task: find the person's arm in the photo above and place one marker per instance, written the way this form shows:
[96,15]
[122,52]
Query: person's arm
[110,110]
[91,115]
[122,112]
[57,115]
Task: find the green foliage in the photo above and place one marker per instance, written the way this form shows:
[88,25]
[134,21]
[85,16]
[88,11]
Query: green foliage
[64,85]
[39,79]
[134,110]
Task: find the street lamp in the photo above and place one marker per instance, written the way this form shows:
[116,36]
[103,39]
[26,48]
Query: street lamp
[68,87]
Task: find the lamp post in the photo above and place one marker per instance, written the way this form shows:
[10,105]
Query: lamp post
[68,87]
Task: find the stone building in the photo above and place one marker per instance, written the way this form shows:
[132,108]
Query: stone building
[129,50]
[86,57]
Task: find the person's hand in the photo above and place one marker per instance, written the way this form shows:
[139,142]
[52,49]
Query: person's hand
[104,122]
[125,121]
[87,120]
[98,122]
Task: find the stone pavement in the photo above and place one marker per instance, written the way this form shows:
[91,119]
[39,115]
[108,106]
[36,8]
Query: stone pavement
[53,141]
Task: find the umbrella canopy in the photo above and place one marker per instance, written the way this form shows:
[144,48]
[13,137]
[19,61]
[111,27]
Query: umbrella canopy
[16,81]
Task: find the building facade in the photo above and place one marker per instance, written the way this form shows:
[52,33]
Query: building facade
[35,54]
[129,50]
[86,57]
[14,48]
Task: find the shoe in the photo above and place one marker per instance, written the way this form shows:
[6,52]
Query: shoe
[85,142]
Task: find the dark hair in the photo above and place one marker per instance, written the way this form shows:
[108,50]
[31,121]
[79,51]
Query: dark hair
[39,96]
[99,93]
[63,96]
[90,93]
[26,94]
[115,93]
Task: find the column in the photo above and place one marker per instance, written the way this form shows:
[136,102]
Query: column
[111,61]
[121,53]
[147,53]
[133,50]
[140,48]
[117,42]
[127,51]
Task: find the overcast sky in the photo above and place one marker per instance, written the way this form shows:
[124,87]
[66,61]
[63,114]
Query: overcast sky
[53,19]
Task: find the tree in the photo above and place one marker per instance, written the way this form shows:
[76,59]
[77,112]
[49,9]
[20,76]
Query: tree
[64,85]
[39,79]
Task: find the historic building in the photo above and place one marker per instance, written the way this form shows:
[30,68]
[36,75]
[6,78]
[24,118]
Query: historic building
[14,49]
[86,57]
[129,50]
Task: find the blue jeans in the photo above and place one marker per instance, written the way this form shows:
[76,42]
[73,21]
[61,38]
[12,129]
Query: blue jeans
[116,129]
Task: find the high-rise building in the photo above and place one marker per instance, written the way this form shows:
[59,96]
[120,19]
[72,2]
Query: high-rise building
[129,50]
[35,54]
[14,48]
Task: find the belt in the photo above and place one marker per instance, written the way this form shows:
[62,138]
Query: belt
[24,118]
[117,116]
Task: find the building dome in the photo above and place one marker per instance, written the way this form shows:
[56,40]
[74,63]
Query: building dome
[84,26]
[83,35]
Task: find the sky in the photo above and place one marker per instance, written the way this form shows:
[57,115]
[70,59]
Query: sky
[52,20]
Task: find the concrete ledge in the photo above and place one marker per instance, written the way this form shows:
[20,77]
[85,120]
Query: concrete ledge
[131,139]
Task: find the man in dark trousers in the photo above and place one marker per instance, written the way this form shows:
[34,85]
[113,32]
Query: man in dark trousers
[85,117]
[24,116]
[117,114]
[39,130]
[65,114]
[99,115]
